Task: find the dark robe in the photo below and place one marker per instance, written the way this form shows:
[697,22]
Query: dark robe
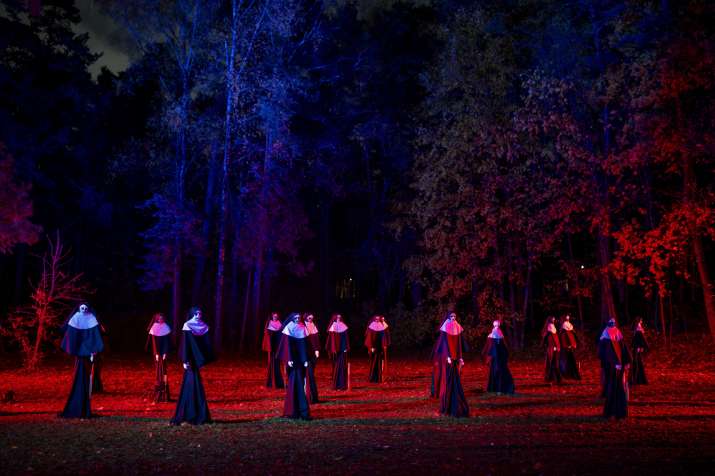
[637,373]
[552,373]
[160,347]
[311,382]
[378,340]
[338,345]
[97,384]
[614,353]
[568,363]
[80,343]
[496,355]
[271,339]
[298,351]
[191,406]
[452,401]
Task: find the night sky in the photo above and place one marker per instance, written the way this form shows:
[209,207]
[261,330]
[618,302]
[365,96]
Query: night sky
[104,37]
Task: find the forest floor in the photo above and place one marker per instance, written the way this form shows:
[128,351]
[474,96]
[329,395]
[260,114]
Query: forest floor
[391,428]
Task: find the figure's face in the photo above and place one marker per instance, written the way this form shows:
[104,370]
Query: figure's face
[160,318]
[309,318]
[452,316]
[83,308]
[612,323]
[198,314]
[338,318]
[496,324]
[274,316]
[567,318]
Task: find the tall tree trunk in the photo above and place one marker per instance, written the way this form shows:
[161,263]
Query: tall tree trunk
[176,294]
[246,310]
[325,264]
[608,307]
[525,304]
[20,284]
[579,299]
[223,215]
[661,311]
[690,194]
[256,305]
[705,282]
[196,288]
[233,324]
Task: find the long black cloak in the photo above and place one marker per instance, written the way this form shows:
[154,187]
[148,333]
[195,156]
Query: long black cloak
[449,389]
[338,345]
[296,350]
[640,346]
[271,339]
[192,407]
[80,343]
[496,355]
[379,341]
[568,363]
[615,359]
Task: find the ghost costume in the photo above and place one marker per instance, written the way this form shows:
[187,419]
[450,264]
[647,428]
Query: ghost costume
[337,345]
[448,362]
[552,346]
[377,340]
[82,339]
[640,346]
[294,351]
[311,383]
[159,333]
[569,343]
[496,355]
[271,339]
[615,360]
[195,352]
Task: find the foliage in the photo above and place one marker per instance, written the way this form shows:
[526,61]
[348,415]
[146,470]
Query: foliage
[53,295]
[16,208]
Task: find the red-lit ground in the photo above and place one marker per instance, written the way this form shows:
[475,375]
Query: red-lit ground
[391,429]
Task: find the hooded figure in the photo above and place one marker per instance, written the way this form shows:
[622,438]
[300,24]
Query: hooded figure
[377,340]
[159,333]
[314,338]
[552,346]
[195,352]
[83,340]
[640,347]
[294,351]
[337,345]
[496,355]
[271,339]
[569,343]
[615,360]
[447,368]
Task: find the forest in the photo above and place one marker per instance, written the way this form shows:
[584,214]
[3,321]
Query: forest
[506,159]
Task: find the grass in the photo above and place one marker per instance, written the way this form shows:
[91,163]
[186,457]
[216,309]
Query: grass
[387,429]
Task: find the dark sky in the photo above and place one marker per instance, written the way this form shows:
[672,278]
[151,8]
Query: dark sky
[105,37]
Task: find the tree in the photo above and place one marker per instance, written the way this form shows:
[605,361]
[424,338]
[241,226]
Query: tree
[172,34]
[15,208]
[53,295]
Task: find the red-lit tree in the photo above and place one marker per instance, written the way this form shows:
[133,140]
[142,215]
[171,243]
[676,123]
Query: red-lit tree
[675,144]
[53,295]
